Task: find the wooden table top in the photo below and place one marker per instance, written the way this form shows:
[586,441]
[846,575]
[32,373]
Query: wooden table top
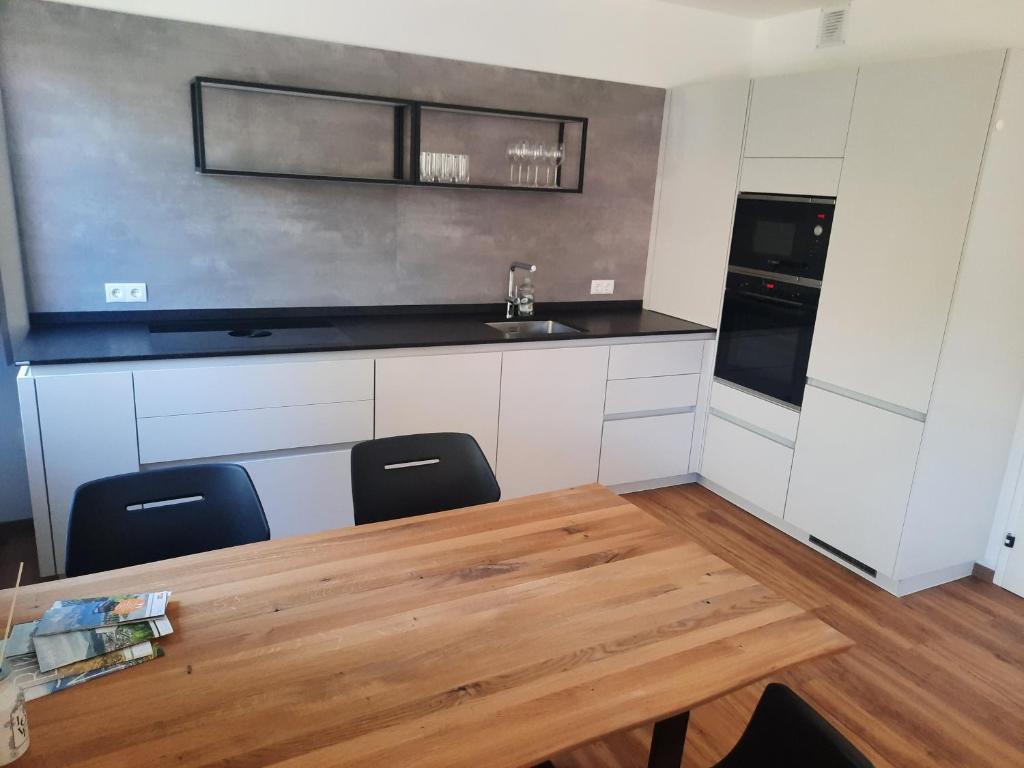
[491,636]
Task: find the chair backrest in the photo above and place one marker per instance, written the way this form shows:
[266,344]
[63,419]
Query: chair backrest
[395,477]
[146,516]
[786,730]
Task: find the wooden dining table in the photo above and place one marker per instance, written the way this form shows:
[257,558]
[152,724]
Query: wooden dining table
[495,636]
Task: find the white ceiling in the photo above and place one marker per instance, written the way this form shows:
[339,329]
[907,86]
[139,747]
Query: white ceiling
[754,9]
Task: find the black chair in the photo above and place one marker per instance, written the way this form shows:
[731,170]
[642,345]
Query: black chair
[786,731]
[146,516]
[396,477]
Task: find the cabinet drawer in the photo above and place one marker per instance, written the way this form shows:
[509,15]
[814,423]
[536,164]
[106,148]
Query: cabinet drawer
[756,411]
[175,391]
[304,493]
[645,449]
[192,436]
[657,393]
[662,358]
[746,464]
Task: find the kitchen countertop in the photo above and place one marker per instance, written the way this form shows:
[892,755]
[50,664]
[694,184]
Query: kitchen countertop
[94,337]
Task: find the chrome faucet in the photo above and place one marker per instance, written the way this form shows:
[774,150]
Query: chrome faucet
[512,300]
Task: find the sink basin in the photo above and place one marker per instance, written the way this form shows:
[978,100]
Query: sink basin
[533,327]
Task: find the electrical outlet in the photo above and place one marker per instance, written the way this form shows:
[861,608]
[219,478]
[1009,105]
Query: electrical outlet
[602,286]
[117,292]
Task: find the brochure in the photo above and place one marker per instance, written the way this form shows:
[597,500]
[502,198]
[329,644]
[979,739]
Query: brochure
[93,612]
[68,647]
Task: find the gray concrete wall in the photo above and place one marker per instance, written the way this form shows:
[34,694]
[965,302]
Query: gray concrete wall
[101,151]
[14,497]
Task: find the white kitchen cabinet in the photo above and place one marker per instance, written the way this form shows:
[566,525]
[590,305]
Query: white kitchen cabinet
[703,146]
[753,468]
[801,115]
[305,492]
[648,448]
[912,159]
[230,433]
[806,176]
[979,382]
[659,358]
[87,426]
[657,393]
[758,412]
[440,393]
[852,473]
[244,386]
[552,407]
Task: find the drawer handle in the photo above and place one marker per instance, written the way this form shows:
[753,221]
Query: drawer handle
[163,503]
[408,464]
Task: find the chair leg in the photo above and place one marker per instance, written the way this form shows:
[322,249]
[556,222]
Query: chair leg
[668,741]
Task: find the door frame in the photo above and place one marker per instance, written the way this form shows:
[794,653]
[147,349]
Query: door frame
[1010,511]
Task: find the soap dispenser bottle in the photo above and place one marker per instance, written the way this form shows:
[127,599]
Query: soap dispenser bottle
[526,298]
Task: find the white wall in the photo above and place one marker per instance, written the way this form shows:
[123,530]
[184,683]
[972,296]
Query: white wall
[647,42]
[888,29]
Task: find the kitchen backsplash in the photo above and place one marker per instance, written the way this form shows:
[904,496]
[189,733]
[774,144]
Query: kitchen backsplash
[100,140]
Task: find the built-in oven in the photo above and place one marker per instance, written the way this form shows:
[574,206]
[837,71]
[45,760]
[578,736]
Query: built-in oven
[776,264]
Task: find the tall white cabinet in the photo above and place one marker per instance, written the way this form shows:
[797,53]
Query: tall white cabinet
[876,451]
[703,146]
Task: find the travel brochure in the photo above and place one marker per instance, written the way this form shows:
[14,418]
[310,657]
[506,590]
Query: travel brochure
[79,640]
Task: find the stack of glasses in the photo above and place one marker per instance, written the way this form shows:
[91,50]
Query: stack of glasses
[444,168]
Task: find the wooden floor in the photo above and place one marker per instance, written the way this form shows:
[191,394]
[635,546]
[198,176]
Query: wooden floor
[936,679]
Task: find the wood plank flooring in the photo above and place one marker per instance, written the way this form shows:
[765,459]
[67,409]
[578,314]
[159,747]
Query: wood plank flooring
[936,678]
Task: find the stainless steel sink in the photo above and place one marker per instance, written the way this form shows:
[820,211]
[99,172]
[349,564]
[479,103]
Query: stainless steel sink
[533,327]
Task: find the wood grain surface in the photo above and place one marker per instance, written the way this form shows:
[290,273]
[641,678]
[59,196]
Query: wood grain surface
[495,635]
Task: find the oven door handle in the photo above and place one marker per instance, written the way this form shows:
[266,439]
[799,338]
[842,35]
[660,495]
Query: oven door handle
[772,299]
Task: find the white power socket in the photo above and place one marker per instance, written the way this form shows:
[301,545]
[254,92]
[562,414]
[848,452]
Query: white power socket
[117,292]
[602,287]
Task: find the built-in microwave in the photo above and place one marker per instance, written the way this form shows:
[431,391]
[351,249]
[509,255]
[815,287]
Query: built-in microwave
[782,234]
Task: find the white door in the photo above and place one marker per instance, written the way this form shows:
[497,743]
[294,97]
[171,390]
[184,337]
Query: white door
[440,393]
[912,161]
[552,410]
[852,473]
[703,145]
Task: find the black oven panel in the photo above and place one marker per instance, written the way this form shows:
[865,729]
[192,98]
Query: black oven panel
[764,342]
[783,234]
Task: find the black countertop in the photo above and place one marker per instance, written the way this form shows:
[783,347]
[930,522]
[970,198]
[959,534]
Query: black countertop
[113,336]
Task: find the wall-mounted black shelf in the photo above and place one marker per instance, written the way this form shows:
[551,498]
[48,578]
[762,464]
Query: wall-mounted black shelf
[410,117]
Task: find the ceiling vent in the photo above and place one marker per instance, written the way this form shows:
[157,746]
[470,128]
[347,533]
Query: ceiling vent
[832,27]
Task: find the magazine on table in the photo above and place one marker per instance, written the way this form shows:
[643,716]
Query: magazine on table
[93,612]
[35,684]
[68,647]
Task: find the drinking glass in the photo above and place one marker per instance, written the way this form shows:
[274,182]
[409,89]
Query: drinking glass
[559,157]
[426,166]
[511,152]
[537,156]
[462,169]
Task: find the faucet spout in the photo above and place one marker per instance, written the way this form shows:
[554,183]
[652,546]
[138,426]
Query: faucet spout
[512,299]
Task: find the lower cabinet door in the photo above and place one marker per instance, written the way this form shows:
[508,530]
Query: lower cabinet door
[633,450]
[552,409]
[440,393]
[748,465]
[852,474]
[304,493]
